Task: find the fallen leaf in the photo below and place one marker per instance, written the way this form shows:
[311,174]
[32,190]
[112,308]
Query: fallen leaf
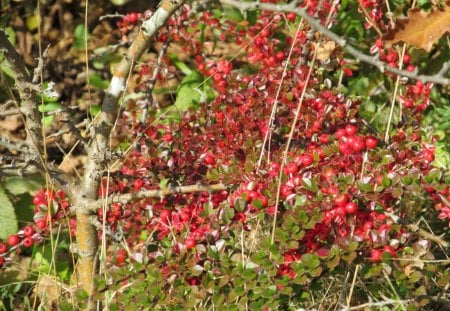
[420,29]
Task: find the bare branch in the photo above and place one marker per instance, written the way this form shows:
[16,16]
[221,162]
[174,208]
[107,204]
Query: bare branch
[438,78]
[159,193]
[27,92]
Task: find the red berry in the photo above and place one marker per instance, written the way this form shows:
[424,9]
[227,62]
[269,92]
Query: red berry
[347,72]
[307,160]
[371,142]
[168,137]
[41,223]
[291,16]
[138,183]
[328,173]
[340,200]
[324,138]
[2,261]
[209,159]
[28,241]
[350,130]
[13,240]
[131,18]
[249,195]
[340,133]
[121,255]
[357,144]
[428,155]
[351,208]
[165,215]
[60,194]
[367,226]
[190,242]
[28,230]
[3,248]
[291,168]
[389,249]
[285,191]
[264,200]
[344,148]
[274,169]
[375,255]
[38,199]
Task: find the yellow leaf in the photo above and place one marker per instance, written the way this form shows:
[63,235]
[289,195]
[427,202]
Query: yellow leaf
[32,22]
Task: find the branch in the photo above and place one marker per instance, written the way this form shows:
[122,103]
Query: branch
[99,148]
[27,92]
[438,78]
[98,154]
[158,193]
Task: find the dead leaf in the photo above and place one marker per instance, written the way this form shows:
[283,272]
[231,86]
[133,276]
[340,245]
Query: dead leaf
[324,50]
[420,28]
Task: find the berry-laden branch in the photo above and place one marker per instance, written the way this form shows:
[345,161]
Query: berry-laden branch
[98,149]
[438,78]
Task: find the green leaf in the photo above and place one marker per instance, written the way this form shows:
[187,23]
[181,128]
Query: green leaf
[386,181]
[97,81]
[179,64]
[252,16]
[94,110]
[8,220]
[19,185]
[49,107]
[269,291]
[80,37]
[233,13]
[364,187]
[310,260]
[47,121]
[188,95]
[300,200]
[4,66]
[11,35]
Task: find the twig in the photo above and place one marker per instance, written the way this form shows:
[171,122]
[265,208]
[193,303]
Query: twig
[14,146]
[115,15]
[39,68]
[437,78]
[152,81]
[116,236]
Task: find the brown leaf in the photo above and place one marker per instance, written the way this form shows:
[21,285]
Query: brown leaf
[325,49]
[420,29]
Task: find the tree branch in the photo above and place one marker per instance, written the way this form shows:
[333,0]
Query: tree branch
[158,193]
[31,114]
[98,154]
[99,148]
[438,78]
[27,92]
